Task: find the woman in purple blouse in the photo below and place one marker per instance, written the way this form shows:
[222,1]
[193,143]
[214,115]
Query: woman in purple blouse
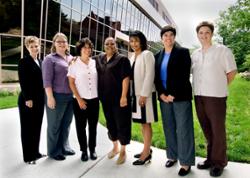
[59,106]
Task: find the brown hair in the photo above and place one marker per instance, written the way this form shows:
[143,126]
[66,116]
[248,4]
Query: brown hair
[210,25]
[30,39]
[57,35]
[82,43]
[168,28]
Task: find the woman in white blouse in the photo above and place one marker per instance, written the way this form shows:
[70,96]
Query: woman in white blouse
[83,83]
[144,109]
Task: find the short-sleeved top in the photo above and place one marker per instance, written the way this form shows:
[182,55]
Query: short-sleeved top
[210,70]
[55,69]
[85,76]
[110,76]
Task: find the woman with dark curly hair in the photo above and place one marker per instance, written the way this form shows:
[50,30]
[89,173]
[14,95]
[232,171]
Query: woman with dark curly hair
[82,76]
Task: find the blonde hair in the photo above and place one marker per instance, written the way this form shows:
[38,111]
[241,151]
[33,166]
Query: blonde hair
[58,35]
[30,39]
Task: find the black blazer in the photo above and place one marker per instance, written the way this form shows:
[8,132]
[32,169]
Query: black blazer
[30,78]
[178,73]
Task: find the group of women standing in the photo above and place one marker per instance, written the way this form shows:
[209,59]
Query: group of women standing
[126,88]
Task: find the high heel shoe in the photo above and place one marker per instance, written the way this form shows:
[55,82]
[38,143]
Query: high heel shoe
[142,162]
[139,154]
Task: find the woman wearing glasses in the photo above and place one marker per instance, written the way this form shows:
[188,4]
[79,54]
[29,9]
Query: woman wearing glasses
[59,105]
[113,85]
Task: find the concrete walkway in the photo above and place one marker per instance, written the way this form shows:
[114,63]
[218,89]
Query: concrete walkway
[12,166]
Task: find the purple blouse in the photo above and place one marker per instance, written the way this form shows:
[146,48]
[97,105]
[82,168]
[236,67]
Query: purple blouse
[54,70]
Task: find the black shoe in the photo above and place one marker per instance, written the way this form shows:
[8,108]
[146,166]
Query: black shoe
[93,155]
[170,163]
[59,157]
[216,171]
[183,172]
[84,156]
[142,162]
[203,165]
[39,155]
[139,154]
[69,152]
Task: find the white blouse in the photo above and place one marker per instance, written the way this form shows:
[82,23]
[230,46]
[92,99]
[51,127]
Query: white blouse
[210,70]
[85,76]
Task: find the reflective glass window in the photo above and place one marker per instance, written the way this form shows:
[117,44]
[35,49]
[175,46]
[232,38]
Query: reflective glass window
[10,22]
[65,20]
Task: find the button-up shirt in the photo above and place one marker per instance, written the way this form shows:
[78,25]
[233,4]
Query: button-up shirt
[85,76]
[210,70]
[55,69]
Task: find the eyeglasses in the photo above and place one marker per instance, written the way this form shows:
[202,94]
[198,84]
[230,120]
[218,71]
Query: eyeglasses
[63,42]
[109,44]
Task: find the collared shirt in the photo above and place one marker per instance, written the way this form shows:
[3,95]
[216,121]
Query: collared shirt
[111,75]
[55,69]
[210,70]
[164,69]
[37,62]
[85,76]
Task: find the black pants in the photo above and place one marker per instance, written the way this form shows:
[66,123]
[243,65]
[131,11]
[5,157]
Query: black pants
[31,122]
[89,115]
[118,121]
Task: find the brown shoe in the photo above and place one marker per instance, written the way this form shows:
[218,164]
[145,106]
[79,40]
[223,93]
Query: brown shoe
[112,154]
[121,159]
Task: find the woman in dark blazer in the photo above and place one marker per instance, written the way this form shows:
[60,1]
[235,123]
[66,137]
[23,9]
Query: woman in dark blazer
[175,94]
[31,101]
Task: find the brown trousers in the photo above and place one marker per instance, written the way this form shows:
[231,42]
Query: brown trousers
[211,112]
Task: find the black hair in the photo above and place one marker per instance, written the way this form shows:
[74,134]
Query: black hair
[142,38]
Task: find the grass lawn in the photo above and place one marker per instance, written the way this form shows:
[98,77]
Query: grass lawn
[238,123]
[8,100]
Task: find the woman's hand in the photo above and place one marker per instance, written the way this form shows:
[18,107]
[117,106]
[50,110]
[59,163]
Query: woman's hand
[82,104]
[29,103]
[164,98]
[51,102]
[123,102]
[142,101]
[170,98]
[167,99]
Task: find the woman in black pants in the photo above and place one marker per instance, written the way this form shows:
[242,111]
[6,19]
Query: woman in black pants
[113,88]
[83,83]
[31,101]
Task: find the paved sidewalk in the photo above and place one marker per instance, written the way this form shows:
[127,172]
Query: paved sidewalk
[12,166]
